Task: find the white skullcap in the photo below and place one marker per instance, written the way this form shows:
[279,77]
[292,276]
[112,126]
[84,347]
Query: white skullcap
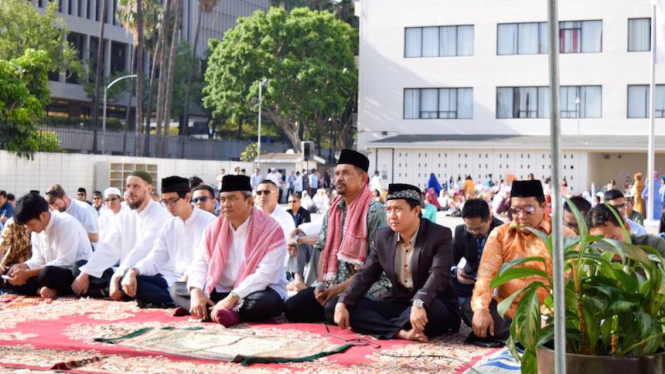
[112,191]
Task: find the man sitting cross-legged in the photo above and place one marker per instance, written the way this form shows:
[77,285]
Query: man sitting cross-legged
[58,241]
[416,256]
[239,272]
[150,279]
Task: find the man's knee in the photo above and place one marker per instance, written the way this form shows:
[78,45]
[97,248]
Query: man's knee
[261,306]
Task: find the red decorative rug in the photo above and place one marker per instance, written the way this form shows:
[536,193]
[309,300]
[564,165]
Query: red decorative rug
[37,335]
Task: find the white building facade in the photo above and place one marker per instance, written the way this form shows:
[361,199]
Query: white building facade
[460,88]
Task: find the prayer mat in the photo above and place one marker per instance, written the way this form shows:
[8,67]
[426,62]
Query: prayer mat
[45,336]
[214,342]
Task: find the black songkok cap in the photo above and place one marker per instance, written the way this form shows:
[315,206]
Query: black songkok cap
[404,191]
[527,189]
[232,183]
[351,157]
[175,184]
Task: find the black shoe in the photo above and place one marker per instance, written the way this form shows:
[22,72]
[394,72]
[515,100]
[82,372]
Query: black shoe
[488,342]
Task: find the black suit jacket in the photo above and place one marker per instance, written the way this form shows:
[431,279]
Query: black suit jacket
[430,267]
[465,245]
[303,216]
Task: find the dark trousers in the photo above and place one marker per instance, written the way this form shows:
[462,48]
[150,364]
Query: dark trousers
[153,291]
[99,287]
[463,291]
[258,306]
[383,319]
[53,277]
[303,307]
[501,325]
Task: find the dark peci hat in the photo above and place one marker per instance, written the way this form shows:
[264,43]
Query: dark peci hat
[175,184]
[351,157]
[404,191]
[527,188]
[142,174]
[232,183]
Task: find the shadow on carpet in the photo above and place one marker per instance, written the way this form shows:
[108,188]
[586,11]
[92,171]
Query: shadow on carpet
[61,335]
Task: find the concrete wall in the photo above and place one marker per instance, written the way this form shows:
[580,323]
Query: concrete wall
[385,72]
[606,166]
[19,175]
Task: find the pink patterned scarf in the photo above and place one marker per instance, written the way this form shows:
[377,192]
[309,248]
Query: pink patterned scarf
[264,235]
[352,246]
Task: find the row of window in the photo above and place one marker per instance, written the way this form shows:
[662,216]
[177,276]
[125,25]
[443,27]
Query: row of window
[89,9]
[521,38]
[525,102]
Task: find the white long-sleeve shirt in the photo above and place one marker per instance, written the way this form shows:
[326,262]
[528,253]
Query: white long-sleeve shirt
[131,237]
[175,248]
[269,273]
[106,219]
[62,243]
[85,214]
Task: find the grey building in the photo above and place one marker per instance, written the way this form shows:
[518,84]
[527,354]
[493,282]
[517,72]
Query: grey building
[82,18]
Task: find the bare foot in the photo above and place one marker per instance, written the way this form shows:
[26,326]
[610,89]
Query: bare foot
[48,293]
[412,335]
[291,286]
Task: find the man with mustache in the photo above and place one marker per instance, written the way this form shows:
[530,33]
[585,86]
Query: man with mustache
[130,238]
[345,239]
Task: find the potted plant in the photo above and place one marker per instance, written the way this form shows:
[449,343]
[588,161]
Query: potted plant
[615,313]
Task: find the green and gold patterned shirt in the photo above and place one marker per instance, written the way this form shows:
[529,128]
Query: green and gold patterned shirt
[376,219]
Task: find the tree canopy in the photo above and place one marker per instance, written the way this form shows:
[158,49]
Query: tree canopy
[24,94]
[307,58]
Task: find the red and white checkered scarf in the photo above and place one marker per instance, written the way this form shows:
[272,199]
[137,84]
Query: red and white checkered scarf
[264,235]
[352,246]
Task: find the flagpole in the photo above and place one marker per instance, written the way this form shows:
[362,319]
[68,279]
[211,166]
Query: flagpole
[652,106]
[557,201]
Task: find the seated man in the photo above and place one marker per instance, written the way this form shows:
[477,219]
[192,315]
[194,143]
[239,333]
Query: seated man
[601,221]
[150,279]
[415,255]
[267,194]
[58,241]
[616,199]
[81,210]
[239,266]
[299,254]
[300,215]
[468,243]
[347,232]
[582,204]
[505,243]
[203,197]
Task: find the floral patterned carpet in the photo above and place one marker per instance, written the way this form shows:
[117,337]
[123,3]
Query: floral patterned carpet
[56,336]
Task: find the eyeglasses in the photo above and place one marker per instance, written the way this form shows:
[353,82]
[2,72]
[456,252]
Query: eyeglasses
[97,198]
[202,199]
[619,206]
[81,193]
[292,201]
[527,209]
[170,202]
[474,230]
[263,192]
[111,199]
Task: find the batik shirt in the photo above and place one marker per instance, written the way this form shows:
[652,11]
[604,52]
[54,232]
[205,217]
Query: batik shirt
[376,219]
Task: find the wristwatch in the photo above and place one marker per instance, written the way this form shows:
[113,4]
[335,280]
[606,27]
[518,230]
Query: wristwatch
[418,303]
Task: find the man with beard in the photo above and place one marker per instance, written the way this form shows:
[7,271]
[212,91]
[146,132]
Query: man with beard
[84,213]
[345,239]
[131,237]
[150,279]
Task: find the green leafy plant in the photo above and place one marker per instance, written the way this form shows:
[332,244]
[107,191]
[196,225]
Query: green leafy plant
[48,141]
[250,153]
[614,296]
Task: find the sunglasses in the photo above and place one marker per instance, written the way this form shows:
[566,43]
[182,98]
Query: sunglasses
[111,199]
[96,197]
[527,209]
[263,192]
[202,199]
[80,193]
[292,201]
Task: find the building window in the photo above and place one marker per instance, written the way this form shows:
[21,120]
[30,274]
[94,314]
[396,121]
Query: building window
[442,103]
[531,38]
[118,57]
[443,41]
[522,102]
[638,101]
[581,36]
[522,38]
[581,102]
[639,35]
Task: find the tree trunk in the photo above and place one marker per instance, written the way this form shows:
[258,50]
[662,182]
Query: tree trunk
[139,77]
[128,110]
[171,81]
[153,72]
[99,68]
[289,126]
[162,75]
[192,60]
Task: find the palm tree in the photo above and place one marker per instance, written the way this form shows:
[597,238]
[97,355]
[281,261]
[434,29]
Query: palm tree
[171,76]
[205,6]
[162,71]
[99,68]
